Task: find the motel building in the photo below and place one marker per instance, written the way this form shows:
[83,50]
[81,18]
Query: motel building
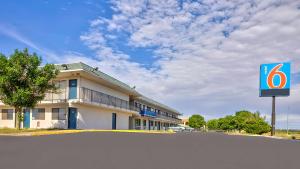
[90,99]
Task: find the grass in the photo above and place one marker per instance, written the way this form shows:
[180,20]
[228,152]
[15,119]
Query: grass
[293,134]
[40,132]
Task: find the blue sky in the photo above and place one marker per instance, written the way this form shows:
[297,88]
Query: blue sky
[196,56]
[57,25]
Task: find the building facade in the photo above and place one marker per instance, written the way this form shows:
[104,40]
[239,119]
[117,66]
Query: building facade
[90,99]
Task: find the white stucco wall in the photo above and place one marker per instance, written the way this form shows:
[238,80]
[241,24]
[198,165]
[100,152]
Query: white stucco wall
[97,118]
[6,123]
[47,123]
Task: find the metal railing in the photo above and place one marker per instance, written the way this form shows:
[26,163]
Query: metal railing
[59,96]
[177,120]
[88,95]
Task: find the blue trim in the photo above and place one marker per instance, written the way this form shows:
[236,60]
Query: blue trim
[26,122]
[148,113]
[72,118]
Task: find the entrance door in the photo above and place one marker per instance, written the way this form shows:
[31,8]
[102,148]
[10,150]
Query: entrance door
[114,121]
[130,122]
[72,118]
[149,125]
[26,121]
[158,125]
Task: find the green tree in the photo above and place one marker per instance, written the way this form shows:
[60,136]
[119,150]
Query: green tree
[213,124]
[227,123]
[23,83]
[196,121]
[241,118]
[257,126]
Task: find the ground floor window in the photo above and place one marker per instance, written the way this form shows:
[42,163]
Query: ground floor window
[58,114]
[38,114]
[137,122]
[7,114]
[144,123]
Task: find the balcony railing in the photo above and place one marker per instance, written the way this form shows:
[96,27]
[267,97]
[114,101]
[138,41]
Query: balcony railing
[174,119]
[88,95]
[58,97]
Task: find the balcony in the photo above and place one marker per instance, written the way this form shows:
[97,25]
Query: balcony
[173,119]
[92,96]
[148,113]
[59,97]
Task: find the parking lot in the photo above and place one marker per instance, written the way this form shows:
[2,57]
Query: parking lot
[148,151]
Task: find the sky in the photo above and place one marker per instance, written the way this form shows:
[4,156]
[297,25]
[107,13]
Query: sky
[199,57]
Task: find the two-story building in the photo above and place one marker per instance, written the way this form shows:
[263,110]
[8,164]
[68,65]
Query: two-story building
[90,99]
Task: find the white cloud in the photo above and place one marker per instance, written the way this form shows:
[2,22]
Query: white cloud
[11,32]
[207,53]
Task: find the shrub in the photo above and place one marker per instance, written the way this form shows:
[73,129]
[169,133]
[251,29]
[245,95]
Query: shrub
[213,124]
[196,121]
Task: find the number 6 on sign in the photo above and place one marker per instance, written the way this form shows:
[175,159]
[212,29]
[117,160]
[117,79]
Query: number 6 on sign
[275,79]
[282,78]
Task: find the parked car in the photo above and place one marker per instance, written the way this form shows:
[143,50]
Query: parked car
[189,129]
[181,128]
[177,128]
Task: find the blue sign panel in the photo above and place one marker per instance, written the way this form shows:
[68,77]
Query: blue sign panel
[275,79]
[148,113]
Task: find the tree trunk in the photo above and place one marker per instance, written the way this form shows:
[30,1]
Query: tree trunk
[18,117]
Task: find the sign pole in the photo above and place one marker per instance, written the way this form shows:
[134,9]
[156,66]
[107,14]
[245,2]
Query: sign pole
[273,116]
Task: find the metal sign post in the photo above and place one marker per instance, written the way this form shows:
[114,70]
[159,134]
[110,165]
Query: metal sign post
[274,81]
[273,116]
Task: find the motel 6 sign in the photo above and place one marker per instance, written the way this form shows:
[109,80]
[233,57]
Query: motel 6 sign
[275,79]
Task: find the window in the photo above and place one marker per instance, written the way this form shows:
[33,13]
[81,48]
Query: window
[38,114]
[137,122]
[58,114]
[145,122]
[7,114]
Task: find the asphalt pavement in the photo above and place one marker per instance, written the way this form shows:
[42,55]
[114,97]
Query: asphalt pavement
[147,151]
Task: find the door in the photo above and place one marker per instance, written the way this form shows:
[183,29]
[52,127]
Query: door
[158,125]
[26,120]
[114,121]
[130,122]
[72,118]
[73,89]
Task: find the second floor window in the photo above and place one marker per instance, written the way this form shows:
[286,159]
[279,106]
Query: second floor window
[38,114]
[7,114]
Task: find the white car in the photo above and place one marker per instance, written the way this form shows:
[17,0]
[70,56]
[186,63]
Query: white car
[177,128]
